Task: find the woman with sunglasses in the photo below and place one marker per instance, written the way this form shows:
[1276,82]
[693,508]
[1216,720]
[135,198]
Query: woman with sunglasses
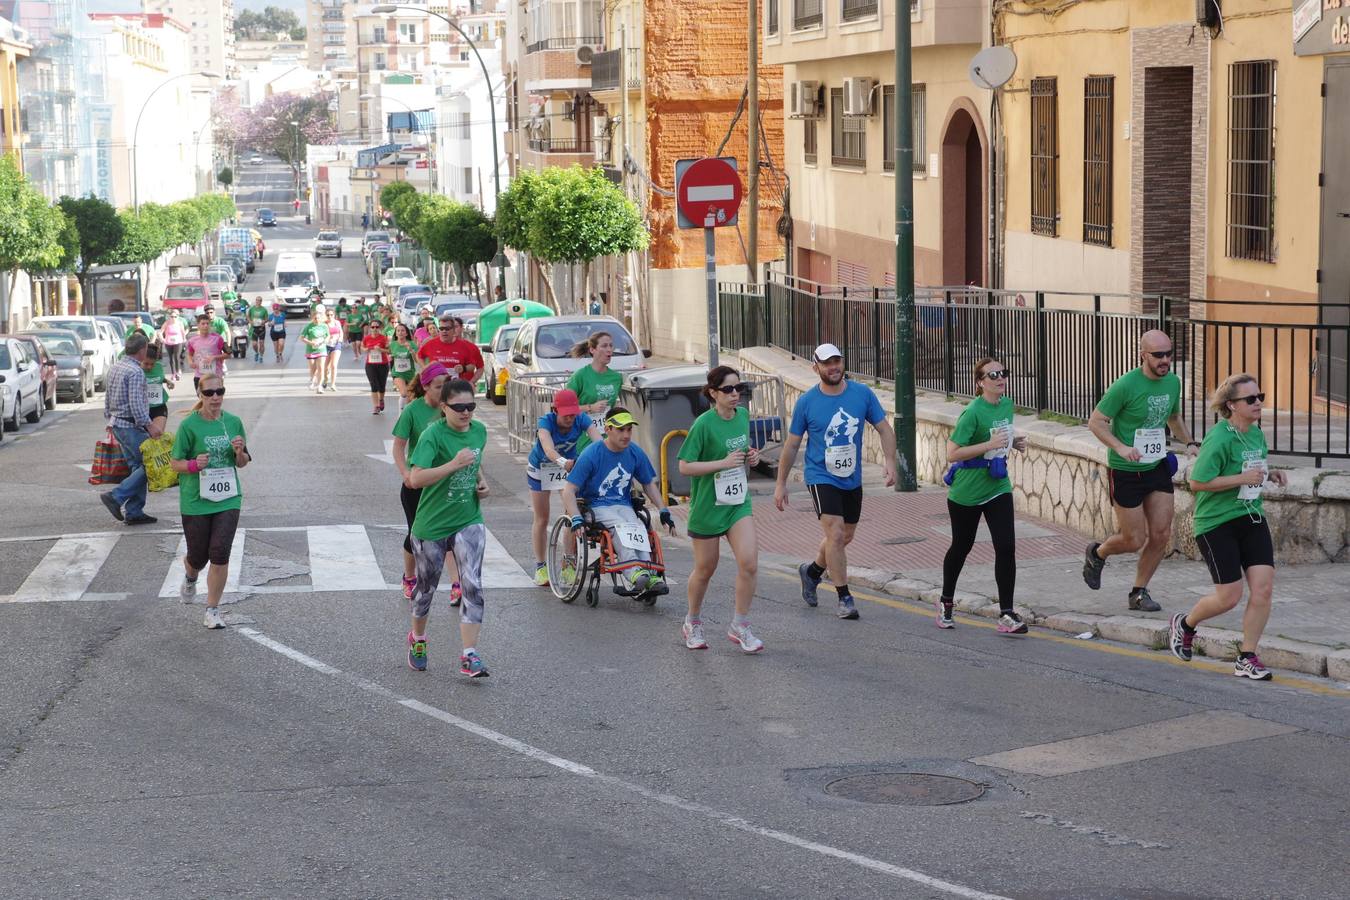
[376,347]
[401,352]
[423,409]
[315,338]
[979,486]
[277,328]
[1230,525]
[713,457]
[449,523]
[208,452]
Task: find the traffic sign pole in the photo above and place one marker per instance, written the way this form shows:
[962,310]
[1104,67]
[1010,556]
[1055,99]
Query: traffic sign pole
[710,273]
[707,196]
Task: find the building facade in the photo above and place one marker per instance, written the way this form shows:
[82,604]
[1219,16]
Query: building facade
[211,25]
[14,48]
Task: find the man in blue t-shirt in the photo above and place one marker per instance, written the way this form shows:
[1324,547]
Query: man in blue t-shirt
[831,416]
[603,476]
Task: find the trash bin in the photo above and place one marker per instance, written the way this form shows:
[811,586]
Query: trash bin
[663,400]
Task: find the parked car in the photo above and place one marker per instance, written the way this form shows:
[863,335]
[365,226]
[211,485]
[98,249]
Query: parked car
[373,237]
[265,218]
[495,361]
[74,362]
[20,384]
[379,256]
[396,277]
[153,319]
[219,278]
[119,328]
[47,365]
[239,266]
[545,345]
[328,243]
[99,340]
[186,296]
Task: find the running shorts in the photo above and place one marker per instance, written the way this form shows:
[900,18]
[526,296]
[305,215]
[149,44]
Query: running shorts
[378,376]
[278,334]
[159,410]
[832,501]
[1128,489]
[259,331]
[1235,546]
[210,537]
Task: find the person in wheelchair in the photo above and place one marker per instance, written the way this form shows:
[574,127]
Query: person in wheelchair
[602,477]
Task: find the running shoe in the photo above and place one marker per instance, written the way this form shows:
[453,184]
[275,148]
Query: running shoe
[1179,639]
[1140,599]
[656,585]
[1011,623]
[740,636]
[944,616]
[187,590]
[1092,567]
[472,665]
[541,576]
[1250,667]
[693,636]
[213,618]
[409,584]
[809,584]
[456,595]
[569,571]
[417,653]
[846,608]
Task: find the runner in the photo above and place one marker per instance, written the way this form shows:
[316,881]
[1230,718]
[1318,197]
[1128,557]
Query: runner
[208,452]
[334,353]
[139,324]
[277,323]
[1132,420]
[713,457]
[448,522]
[551,458]
[356,326]
[831,415]
[603,476]
[343,312]
[257,324]
[1230,523]
[979,485]
[173,334]
[401,350]
[156,395]
[314,336]
[597,386]
[462,358]
[218,324]
[206,351]
[426,328]
[376,347]
[414,419]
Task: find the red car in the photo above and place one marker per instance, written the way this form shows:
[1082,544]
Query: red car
[48,364]
[186,295]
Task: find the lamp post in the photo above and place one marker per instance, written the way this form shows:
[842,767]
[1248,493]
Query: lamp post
[135,133]
[500,260]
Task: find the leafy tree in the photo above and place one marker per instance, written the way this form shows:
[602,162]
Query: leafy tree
[30,228]
[458,233]
[98,228]
[411,210]
[226,176]
[390,195]
[515,211]
[264,25]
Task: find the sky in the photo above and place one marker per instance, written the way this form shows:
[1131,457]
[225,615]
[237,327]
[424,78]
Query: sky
[295,6]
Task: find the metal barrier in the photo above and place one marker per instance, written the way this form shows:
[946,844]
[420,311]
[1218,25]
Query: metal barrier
[528,397]
[768,413]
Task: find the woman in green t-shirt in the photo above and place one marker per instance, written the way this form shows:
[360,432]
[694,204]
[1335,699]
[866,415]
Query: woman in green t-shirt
[315,338]
[402,349]
[714,456]
[979,486]
[208,452]
[1230,523]
[597,386]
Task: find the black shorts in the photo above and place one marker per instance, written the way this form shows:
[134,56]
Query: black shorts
[259,332]
[409,498]
[378,376]
[832,501]
[159,411]
[1128,489]
[210,538]
[1235,546]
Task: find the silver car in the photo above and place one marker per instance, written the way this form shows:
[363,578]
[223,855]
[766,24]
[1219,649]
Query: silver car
[545,345]
[328,243]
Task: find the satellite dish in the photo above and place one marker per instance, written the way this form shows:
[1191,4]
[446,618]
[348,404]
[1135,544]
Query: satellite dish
[993,67]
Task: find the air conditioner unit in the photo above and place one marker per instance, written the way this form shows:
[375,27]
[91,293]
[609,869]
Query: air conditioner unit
[1207,13]
[600,128]
[585,53]
[858,96]
[804,100]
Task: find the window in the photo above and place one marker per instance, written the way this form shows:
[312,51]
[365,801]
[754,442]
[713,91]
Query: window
[464,125]
[920,116]
[848,135]
[1251,160]
[806,13]
[771,16]
[468,180]
[407,32]
[809,141]
[1044,157]
[1098,103]
[859,9]
[377,34]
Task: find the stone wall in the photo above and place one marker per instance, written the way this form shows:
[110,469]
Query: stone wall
[1062,476]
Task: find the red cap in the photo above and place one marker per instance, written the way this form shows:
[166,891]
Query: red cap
[565,403]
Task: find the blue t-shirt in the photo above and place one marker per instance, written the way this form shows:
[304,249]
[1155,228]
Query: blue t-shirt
[833,422]
[603,477]
[278,320]
[564,442]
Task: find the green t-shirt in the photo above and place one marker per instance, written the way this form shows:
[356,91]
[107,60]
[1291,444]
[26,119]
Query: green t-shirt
[1226,451]
[1136,402]
[343,312]
[154,386]
[402,354]
[356,318]
[315,337]
[592,387]
[414,419]
[147,330]
[710,439]
[974,487]
[450,504]
[195,436]
[257,315]
[221,327]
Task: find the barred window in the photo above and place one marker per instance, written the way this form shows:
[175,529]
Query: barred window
[809,141]
[1098,105]
[920,109]
[1251,160]
[771,16]
[848,134]
[854,10]
[1045,156]
[806,13]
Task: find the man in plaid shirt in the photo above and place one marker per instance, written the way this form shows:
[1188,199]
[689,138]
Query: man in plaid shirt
[127,410]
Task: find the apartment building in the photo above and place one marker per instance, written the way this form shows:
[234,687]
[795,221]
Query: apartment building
[330,34]
[211,25]
[14,47]
[463,133]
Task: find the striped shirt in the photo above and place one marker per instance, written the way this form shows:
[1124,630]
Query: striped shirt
[124,402]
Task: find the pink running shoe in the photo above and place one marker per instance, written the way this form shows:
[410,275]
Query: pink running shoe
[408,585]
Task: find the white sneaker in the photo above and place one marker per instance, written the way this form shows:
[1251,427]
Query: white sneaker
[740,634]
[187,590]
[213,618]
[693,635]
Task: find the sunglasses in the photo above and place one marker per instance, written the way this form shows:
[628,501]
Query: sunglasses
[1160,354]
[1251,399]
[213,392]
[996,375]
[462,407]
[446,328]
[741,389]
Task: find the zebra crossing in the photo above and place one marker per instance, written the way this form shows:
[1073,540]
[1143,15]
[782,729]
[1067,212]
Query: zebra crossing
[339,558]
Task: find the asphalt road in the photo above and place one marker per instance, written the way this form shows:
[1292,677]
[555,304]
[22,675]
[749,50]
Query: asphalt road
[296,754]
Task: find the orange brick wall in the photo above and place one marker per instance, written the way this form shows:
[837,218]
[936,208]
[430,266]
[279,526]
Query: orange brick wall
[695,72]
[552,65]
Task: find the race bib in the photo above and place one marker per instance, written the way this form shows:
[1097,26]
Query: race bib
[1001,451]
[842,461]
[402,364]
[376,357]
[1151,444]
[1252,491]
[154,394]
[209,366]
[218,484]
[729,487]
[552,476]
[634,537]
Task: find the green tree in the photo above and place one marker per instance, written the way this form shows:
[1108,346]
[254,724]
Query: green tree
[99,230]
[30,228]
[460,234]
[515,211]
[391,193]
[226,176]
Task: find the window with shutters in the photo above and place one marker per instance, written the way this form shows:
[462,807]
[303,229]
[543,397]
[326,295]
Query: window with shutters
[771,16]
[853,10]
[920,116]
[809,141]
[1098,102]
[848,134]
[1251,160]
[1045,157]
[806,13]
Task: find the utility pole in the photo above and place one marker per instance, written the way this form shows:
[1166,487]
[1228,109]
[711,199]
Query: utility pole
[905,444]
[752,89]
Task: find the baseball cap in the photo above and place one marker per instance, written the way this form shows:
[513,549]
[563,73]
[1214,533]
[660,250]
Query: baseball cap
[825,352]
[621,419]
[565,403]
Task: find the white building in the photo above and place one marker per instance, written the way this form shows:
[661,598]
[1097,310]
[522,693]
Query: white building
[463,149]
[211,23]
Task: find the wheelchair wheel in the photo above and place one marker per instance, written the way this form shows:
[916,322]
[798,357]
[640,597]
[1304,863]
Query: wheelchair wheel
[566,578]
[593,595]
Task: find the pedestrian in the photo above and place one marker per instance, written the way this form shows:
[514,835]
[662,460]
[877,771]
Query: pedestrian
[978,485]
[1132,419]
[551,458]
[127,411]
[446,467]
[461,357]
[218,323]
[206,351]
[208,452]
[714,456]
[277,323]
[139,324]
[500,294]
[257,321]
[1230,523]
[376,347]
[830,416]
[173,335]
[334,355]
[357,317]
[315,338]
[365,220]
[426,327]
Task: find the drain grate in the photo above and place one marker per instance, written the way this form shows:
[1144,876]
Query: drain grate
[905,789]
[903,539]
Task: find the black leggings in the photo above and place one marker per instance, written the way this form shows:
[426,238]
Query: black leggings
[378,376]
[998,514]
[409,497]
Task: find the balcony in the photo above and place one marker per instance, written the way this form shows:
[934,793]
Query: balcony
[561,145]
[552,65]
[563,43]
[555,155]
[333,15]
[606,80]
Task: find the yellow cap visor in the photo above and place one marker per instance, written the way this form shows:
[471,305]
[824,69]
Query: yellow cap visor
[620,420]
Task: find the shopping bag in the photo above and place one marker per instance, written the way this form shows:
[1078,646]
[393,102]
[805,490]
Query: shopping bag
[156,454]
[109,466]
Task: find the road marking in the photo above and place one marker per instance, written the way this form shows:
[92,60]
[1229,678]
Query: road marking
[66,571]
[341,558]
[174,576]
[387,456]
[500,569]
[574,768]
[1212,728]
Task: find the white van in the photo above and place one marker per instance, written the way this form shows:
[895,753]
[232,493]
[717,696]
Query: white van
[296,276]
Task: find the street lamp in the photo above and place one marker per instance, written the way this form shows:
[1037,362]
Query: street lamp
[135,167]
[384,9]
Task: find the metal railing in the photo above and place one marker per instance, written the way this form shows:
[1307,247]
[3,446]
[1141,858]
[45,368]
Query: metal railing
[561,145]
[563,43]
[605,72]
[528,397]
[1064,349]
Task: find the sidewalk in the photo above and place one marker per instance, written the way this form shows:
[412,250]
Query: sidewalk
[902,539]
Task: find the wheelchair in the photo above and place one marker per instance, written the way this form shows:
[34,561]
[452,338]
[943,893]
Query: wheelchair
[580,569]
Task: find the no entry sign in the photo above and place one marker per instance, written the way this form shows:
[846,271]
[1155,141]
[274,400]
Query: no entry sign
[707,192]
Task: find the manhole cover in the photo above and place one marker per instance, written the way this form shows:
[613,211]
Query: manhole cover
[906,539]
[905,789]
